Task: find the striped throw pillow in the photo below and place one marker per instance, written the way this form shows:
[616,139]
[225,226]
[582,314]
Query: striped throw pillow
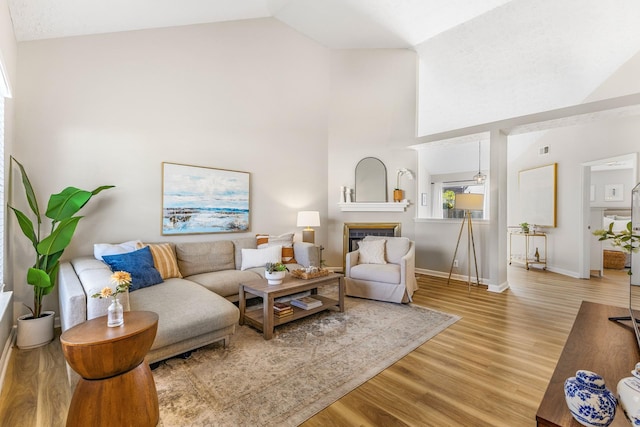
[284,240]
[164,259]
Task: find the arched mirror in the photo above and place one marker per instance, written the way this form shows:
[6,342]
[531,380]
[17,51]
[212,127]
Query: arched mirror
[371,180]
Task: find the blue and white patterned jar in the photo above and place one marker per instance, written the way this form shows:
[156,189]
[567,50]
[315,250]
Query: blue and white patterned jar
[590,402]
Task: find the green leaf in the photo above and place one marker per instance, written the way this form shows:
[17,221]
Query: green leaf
[99,189]
[53,279]
[48,262]
[28,190]
[60,238]
[69,201]
[66,203]
[26,226]
[38,278]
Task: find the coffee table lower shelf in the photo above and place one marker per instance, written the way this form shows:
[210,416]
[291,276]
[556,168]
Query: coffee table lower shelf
[264,319]
[255,318]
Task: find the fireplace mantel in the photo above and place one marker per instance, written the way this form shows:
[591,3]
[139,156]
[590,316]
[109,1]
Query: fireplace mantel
[374,206]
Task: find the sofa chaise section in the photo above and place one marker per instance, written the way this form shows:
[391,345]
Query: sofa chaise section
[190,316]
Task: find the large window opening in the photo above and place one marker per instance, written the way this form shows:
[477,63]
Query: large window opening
[449,191]
[447,169]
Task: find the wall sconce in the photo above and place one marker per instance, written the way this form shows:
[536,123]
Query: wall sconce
[308,219]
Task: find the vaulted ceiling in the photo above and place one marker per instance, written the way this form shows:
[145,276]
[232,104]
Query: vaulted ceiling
[339,24]
[480,60]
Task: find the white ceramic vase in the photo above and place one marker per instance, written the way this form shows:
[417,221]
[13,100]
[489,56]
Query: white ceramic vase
[37,332]
[274,278]
[629,396]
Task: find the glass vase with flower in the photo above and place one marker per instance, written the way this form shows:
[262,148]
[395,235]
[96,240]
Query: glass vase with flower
[115,312]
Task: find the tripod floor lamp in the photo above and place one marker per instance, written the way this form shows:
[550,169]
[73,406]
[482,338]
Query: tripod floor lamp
[468,202]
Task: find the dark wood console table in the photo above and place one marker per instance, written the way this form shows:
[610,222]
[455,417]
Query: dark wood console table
[595,344]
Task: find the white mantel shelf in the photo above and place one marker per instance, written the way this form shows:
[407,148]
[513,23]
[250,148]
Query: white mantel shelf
[374,206]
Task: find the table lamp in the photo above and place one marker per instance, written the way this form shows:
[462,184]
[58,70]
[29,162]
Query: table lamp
[308,219]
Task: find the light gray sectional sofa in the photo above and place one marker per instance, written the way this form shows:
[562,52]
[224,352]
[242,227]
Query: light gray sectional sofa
[194,310]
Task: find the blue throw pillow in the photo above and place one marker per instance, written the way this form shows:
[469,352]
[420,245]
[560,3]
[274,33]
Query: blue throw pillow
[137,263]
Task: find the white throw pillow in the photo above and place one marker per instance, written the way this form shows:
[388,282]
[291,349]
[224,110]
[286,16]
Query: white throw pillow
[395,248]
[101,249]
[284,240]
[259,257]
[371,252]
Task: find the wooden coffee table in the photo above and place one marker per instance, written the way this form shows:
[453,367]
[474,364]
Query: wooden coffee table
[265,320]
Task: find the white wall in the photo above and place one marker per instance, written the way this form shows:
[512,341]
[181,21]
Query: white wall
[570,147]
[109,109]
[372,113]
[600,179]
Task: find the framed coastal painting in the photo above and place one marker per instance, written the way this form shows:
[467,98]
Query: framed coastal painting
[198,199]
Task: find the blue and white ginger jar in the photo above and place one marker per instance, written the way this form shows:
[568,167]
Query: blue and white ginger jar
[590,402]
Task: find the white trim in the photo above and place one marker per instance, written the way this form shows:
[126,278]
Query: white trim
[374,207]
[5,319]
[6,356]
[5,85]
[498,288]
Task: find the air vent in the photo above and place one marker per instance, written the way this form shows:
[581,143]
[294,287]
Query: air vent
[543,151]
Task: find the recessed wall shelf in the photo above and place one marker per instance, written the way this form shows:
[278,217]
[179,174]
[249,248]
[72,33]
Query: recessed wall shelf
[374,206]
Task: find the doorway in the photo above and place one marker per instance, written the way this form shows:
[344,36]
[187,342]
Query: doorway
[601,180]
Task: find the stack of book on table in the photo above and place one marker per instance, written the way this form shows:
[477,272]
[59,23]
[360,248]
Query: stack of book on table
[306,303]
[281,309]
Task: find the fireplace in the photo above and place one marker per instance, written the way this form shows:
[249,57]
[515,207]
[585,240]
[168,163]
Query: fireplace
[354,232]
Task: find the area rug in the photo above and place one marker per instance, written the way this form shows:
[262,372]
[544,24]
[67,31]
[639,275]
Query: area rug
[309,364]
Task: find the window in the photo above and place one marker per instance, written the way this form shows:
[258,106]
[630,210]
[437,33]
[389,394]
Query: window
[449,191]
[4,92]
[2,211]
[446,169]
[444,193]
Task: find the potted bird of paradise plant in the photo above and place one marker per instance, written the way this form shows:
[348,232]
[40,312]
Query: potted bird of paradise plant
[36,328]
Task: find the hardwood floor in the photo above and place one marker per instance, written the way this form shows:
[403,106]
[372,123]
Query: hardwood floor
[491,368]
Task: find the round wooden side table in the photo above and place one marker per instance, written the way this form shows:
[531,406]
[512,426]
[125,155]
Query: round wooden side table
[117,387]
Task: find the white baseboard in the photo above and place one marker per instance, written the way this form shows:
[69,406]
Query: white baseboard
[6,356]
[573,274]
[463,278]
[499,288]
[445,275]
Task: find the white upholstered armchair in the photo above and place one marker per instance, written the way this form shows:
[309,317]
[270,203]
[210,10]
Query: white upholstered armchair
[383,268]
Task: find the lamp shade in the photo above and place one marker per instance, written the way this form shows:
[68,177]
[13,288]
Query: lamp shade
[469,202]
[308,219]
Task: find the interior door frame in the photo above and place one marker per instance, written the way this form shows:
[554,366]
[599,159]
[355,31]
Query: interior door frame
[584,261]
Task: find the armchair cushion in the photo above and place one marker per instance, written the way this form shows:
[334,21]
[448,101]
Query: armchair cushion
[371,252]
[386,273]
[396,247]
